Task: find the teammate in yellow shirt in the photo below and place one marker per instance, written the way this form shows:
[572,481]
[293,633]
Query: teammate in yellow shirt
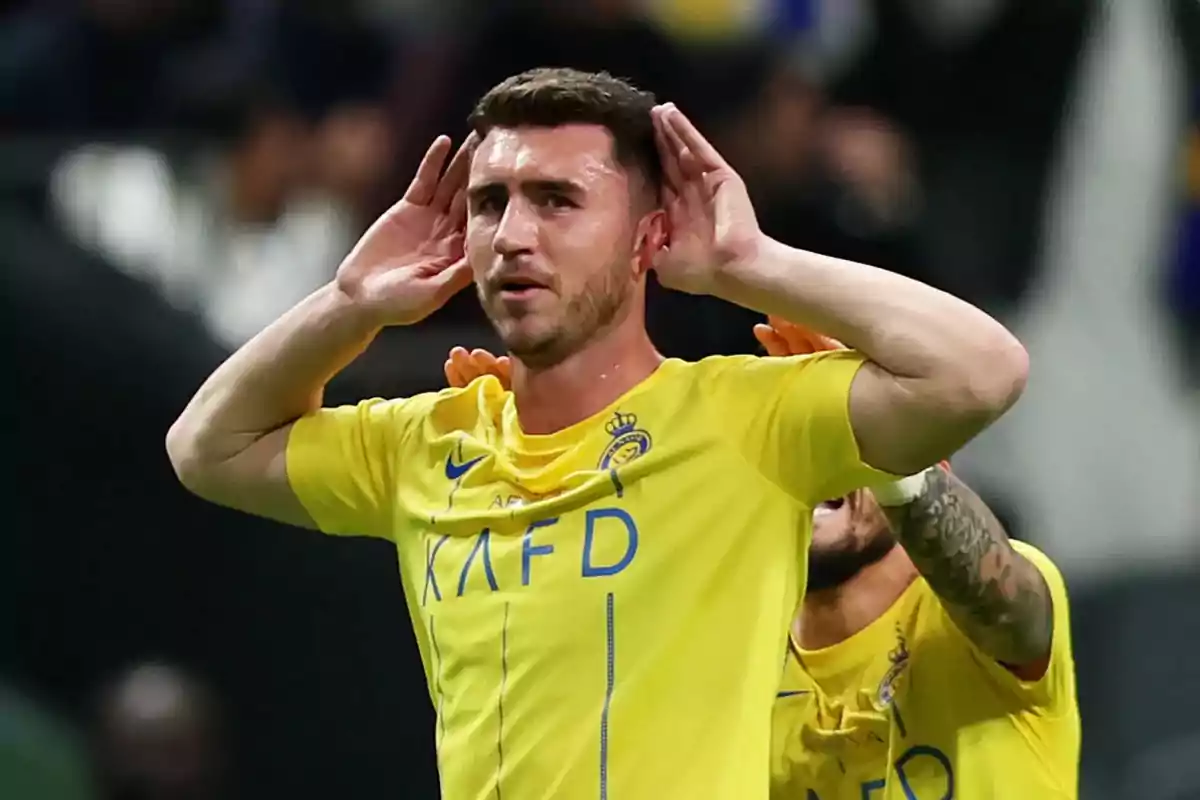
[934,662]
[600,565]
[932,655]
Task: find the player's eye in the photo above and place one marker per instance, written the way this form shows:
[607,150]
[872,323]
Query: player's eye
[558,201]
[489,204]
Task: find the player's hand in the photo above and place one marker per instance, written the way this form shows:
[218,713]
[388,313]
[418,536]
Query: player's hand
[462,367]
[410,261]
[710,220]
[783,338]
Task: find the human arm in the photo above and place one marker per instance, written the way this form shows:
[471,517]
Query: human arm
[997,597]
[230,443]
[938,370]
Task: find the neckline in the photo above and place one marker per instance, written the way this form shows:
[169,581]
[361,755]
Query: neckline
[549,442]
[879,636]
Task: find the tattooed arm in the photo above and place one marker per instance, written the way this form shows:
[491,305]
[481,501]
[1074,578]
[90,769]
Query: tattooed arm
[993,593]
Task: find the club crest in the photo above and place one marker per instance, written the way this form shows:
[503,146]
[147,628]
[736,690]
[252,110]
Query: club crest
[628,441]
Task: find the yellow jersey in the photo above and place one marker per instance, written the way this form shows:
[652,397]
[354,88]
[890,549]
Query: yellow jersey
[601,611]
[909,709]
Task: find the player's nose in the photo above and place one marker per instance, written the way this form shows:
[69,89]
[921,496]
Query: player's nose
[517,232]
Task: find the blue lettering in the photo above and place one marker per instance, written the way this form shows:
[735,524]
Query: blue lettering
[869,787]
[925,752]
[430,577]
[589,569]
[529,550]
[482,543]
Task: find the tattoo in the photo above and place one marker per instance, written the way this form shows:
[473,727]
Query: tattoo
[995,595]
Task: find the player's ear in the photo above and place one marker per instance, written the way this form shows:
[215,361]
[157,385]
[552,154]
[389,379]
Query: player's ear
[651,238]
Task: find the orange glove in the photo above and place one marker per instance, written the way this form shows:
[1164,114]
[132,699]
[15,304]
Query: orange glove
[462,367]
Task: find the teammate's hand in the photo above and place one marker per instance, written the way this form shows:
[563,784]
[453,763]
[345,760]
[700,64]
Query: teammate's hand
[783,338]
[462,367]
[410,261]
[710,219]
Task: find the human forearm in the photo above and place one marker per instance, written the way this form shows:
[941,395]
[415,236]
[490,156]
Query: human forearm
[272,380]
[941,369]
[995,596]
[910,329]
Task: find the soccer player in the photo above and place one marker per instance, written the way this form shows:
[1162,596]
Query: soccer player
[931,657]
[601,564]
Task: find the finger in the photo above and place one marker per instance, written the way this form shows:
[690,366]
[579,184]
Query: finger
[504,365]
[671,204]
[456,215]
[790,339]
[687,163]
[800,341]
[454,378]
[668,156]
[454,221]
[770,340]
[803,336]
[451,281]
[424,184]
[828,343]
[787,328]
[479,354]
[707,154]
[694,200]
[454,180]
[694,186]
[463,364]
[484,361]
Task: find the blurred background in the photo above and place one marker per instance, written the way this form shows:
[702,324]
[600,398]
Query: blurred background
[176,173]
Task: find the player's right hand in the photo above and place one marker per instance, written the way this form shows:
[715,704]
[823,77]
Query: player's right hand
[410,261]
[782,338]
[462,367]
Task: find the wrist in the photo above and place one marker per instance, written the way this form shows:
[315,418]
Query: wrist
[749,272]
[903,491]
[343,309]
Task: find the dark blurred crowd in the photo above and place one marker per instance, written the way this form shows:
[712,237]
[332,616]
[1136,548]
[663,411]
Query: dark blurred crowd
[228,152]
[175,174]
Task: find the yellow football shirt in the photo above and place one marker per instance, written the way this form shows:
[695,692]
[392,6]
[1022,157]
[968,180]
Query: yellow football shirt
[602,611]
[909,709]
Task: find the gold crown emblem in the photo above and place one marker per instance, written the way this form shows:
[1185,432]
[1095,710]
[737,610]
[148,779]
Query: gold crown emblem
[621,424]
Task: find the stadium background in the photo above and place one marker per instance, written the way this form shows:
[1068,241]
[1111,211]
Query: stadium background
[173,174]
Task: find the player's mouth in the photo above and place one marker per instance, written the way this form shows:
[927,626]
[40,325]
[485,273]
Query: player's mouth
[828,507]
[519,287]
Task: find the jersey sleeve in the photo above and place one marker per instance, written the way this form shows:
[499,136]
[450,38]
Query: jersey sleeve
[342,464]
[1054,691]
[792,417]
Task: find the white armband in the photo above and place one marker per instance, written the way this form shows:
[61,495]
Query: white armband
[903,491]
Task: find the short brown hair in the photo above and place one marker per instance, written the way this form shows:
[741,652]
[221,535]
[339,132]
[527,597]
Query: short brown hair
[552,96]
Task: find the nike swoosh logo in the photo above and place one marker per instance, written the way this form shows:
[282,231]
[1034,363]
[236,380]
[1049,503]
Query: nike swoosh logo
[456,471]
[791,694]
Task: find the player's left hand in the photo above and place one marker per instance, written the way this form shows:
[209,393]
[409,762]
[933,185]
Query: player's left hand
[782,338]
[462,367]
[710,219]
